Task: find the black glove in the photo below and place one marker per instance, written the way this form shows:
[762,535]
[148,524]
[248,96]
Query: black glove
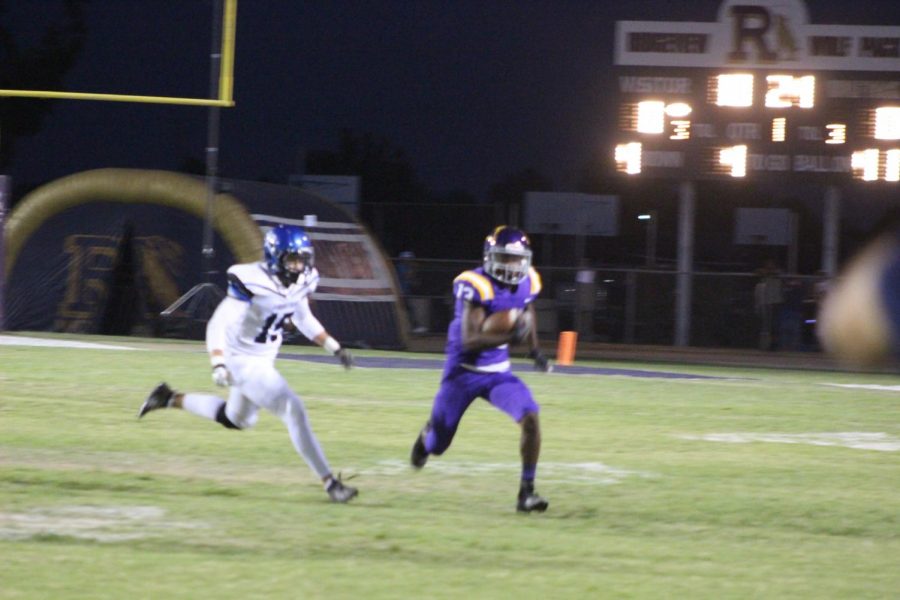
[541,363]
[345,357]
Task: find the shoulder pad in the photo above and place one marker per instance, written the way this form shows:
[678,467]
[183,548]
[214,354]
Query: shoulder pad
[237,289]
[536,284]
[482,286]
[246,280]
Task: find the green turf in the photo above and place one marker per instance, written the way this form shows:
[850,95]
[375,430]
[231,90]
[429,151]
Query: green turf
[96,504]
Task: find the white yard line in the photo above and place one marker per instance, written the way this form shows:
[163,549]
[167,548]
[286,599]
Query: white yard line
[99,523]
[867,386]
[14,340]
[590,473]
[857,440]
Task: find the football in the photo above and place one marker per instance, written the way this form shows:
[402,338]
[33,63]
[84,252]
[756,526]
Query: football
[505,320]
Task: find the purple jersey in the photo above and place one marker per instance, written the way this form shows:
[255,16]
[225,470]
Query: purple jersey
[478,288]
[890,292]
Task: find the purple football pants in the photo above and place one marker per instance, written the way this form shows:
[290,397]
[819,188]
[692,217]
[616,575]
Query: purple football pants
[460,388]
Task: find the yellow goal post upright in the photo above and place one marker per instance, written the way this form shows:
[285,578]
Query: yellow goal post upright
[225,75]
[221,89]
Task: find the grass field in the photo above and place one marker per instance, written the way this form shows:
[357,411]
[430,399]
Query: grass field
[757,484]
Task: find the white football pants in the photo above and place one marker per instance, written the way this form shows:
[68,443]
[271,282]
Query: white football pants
[257,384]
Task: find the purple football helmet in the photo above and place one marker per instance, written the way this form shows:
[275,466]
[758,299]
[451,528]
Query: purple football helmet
[507,255]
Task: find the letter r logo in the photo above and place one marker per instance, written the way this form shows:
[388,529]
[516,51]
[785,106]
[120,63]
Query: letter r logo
[750,26]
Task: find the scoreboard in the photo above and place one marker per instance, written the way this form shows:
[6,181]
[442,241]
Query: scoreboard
[714,123]
[759,94]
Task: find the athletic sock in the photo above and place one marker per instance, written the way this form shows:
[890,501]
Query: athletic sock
[528,473]
[203,405]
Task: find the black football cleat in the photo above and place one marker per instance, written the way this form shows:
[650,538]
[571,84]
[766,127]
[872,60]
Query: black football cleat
[158,398]
[338,492]
[419,455]
[531,502]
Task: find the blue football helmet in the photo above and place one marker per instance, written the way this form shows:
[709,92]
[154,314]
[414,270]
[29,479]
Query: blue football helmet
[507,255]
[284,242]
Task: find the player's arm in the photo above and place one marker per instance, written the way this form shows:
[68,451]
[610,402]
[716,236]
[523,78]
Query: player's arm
[307,324]
[472,336]
[230,311]
[541,362]
[532,336]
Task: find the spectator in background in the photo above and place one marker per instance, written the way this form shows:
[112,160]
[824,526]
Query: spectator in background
[408,279]
[585,298]
[406,271]
[790,321]
[816,294]
[821,287]
[767,298]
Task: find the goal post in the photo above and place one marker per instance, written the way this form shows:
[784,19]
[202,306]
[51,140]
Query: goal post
[226,77]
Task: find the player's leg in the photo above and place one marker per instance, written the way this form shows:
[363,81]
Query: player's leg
[514,398]
[237,413]
[266,387]
[530,449]
[454,396]
[296,419]
[162,396]
[419,455]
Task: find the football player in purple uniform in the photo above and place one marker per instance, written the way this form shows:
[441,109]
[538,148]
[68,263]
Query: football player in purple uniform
[243,337]
[477,363]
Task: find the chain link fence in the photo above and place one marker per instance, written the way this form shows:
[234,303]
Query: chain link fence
[637,306]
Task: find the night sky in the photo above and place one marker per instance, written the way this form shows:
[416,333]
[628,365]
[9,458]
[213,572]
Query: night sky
[472,91]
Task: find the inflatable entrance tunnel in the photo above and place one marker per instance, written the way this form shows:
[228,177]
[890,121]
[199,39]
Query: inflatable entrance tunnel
[106,251]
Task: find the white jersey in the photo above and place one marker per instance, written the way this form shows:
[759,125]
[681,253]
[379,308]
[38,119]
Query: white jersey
[251,320]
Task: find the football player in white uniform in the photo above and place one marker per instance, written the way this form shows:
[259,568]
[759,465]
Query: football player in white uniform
[243,337]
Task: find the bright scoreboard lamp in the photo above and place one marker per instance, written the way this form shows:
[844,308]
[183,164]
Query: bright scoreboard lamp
[759,93]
